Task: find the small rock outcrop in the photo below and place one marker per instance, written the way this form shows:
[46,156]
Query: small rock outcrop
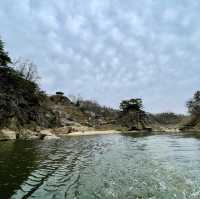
[48,134]
[7,134]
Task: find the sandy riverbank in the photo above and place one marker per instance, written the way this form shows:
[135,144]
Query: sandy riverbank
[93,132]
[104,132]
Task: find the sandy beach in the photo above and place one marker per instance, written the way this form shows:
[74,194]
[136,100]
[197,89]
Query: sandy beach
[93,132]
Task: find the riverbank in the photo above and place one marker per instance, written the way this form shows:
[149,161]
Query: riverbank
[94,132]
[57,133]
[7,134]
[104,132]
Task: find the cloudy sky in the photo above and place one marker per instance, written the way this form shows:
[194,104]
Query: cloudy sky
[109,50]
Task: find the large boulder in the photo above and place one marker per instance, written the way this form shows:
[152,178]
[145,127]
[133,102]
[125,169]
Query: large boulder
[48,134]
[7,134]
[27,134]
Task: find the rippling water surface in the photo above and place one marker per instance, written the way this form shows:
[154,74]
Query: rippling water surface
[106,166]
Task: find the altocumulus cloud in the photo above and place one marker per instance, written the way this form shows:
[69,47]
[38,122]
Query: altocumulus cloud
[110,50]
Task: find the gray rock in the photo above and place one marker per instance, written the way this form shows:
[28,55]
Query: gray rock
[7,134]
[47,135]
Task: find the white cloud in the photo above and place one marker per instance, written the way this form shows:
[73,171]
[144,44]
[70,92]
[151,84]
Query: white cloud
[109,49]
[74,24]
[170,15]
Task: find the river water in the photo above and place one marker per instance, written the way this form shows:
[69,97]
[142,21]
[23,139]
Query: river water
[102,166]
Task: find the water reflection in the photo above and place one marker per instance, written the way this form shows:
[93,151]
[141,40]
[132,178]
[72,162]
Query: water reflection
[17,161]
[106,166]
[60,167]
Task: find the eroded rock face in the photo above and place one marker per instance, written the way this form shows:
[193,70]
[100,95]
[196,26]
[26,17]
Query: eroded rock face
[63,130]
[6,134]
[23,104]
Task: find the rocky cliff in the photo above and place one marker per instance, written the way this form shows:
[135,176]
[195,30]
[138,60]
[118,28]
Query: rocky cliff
[22,103]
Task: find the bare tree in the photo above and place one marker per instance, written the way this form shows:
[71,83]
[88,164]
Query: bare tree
[27,68]
[75,99]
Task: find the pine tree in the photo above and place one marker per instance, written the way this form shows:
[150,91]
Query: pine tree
[4,58]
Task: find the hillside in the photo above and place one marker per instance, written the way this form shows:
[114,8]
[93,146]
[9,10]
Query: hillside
[24,106]
[22,103]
